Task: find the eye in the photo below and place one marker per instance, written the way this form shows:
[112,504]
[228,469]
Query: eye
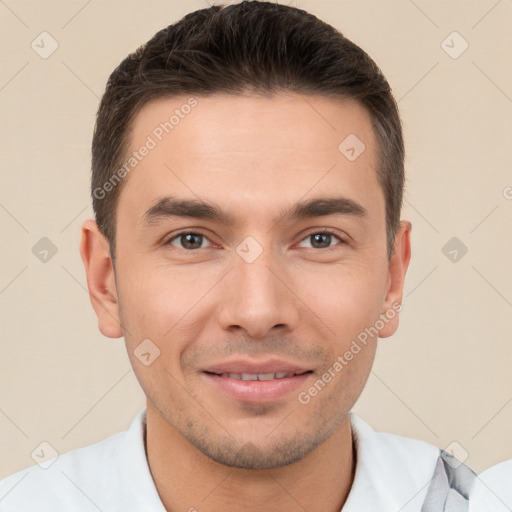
[192,240]
[189,240]
[322,239]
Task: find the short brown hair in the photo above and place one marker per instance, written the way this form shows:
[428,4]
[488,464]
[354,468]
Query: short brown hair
[251,47]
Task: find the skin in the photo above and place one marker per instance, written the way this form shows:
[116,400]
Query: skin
[305,303]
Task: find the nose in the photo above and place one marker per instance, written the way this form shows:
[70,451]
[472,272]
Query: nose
[257,297]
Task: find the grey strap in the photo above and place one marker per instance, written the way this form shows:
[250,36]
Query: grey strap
[450,486]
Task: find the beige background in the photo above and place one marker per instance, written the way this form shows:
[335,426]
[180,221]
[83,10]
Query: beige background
[444,377]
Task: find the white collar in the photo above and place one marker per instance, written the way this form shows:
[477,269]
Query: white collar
[392,472]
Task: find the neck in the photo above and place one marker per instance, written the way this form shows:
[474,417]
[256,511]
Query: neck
[188,480]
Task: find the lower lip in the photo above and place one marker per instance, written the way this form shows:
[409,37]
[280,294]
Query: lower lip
[257,391]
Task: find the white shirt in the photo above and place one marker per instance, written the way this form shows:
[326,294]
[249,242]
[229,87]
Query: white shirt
[493,489]
[393,474]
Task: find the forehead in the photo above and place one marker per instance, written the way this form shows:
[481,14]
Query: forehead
[251,150]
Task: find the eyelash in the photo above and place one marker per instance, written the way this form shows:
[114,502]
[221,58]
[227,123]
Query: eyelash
[199,232]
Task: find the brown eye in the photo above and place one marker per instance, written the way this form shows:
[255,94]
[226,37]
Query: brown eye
[322,239]
[188,240]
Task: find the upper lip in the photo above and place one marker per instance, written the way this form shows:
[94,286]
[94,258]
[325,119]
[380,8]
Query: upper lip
[251,366]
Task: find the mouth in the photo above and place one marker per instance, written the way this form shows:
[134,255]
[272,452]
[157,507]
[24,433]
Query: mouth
[260,376]
[256,383]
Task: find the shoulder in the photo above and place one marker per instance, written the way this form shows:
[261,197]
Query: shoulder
[88,478]
[493,489]
[63,481]
[395,472]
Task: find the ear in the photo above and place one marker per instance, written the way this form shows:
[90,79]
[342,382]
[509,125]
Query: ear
[95,252]
[397,268]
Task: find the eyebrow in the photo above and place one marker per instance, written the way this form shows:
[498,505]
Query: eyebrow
[169,207]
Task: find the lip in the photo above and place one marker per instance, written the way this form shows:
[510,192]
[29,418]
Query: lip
[251,366]
[256,391]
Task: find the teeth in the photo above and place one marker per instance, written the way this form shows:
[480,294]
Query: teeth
[266,376]
[258,376]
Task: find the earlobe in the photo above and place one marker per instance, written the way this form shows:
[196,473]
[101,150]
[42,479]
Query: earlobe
[398,265]
[95,253]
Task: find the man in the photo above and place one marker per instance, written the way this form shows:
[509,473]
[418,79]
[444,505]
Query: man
[247,184]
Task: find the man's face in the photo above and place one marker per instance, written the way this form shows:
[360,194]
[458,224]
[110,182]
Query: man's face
[264,293]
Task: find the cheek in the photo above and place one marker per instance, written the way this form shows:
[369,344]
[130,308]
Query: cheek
[154,293]
[163,304]
[146,303]
[347,298]
[154,307]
